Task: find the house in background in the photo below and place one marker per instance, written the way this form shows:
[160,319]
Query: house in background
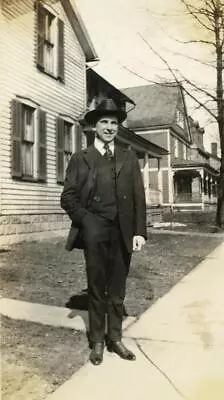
[44,52]
[188,173]
[98,89]
[195,178]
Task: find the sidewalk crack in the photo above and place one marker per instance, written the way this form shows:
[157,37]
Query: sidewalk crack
[160,370]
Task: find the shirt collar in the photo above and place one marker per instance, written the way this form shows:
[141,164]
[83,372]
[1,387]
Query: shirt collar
[99,145]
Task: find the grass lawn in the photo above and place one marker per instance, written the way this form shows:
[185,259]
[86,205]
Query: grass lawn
[36,359]
[193,221]
[44,272]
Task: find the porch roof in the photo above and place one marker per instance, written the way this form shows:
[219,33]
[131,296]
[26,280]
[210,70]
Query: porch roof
[189,164]
[141,144]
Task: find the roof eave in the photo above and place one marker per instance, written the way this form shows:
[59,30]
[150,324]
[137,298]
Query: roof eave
[195,165]
[154,149]
[80,30]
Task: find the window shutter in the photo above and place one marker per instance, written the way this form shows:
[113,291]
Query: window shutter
[61,65]
[60,149]
[40,35]
[16,138]
[78,137]
[42,164]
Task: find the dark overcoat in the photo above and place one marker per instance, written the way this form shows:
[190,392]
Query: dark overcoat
[78,193]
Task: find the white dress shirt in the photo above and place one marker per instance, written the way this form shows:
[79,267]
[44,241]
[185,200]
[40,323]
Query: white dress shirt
[99,145]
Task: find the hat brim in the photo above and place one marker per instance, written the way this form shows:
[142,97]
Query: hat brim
[93,116]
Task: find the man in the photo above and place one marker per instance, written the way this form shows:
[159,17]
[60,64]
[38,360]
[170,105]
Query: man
[104,197]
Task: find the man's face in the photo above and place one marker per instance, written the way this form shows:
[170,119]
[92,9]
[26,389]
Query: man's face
[107,128]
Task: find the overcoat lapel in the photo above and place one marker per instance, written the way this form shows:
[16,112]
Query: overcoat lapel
[120,154]
[90,155]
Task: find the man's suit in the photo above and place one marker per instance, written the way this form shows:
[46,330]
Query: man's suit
[105,241]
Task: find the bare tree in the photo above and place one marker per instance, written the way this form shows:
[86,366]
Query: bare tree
[208,18]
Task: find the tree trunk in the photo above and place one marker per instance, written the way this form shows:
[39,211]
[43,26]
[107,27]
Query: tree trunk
[218,30]
[220,199]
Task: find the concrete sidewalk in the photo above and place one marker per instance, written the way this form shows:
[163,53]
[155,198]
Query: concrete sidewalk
[179,343]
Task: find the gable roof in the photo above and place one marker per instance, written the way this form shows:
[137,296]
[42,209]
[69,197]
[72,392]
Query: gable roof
[155,105]
[80,30]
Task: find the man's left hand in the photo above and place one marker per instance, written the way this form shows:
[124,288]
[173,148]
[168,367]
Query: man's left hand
[138,242]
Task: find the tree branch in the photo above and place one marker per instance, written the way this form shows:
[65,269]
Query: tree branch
[178,82]
[193,41]
[139,75]
[193,13]
[200,103]
[198,88]
[161,58]
[191,58]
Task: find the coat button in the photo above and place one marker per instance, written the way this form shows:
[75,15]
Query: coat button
[124,197]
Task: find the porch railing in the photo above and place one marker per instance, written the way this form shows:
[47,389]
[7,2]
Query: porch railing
[188,198]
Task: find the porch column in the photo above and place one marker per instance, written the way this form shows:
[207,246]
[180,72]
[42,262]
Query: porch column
[201,172]
[171,188]
[160,182]
[206,188]
[146,177]
[211,189]
[215,187]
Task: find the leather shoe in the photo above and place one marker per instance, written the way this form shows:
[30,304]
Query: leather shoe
[96,355]
[120,349]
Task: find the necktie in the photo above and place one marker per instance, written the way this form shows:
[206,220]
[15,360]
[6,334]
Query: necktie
[108,153]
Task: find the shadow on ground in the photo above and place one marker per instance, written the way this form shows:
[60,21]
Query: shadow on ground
[79,302]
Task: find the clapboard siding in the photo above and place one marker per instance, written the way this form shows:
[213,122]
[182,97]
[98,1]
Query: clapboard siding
[23,79]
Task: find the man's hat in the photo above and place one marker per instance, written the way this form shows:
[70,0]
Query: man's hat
[105,107]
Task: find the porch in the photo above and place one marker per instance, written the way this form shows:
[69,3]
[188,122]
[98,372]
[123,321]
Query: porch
[194,187]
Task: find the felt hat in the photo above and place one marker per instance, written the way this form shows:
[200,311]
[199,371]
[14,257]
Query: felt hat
[105,107]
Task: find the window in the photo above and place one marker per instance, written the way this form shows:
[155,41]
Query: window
[69,139]
[28,142]
[176,144]
[50,43]
[180,118]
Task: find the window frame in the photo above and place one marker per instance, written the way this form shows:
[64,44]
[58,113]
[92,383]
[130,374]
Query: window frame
[25,142]
[22,105]
[180,118]
[60,122]
[176,148]
[43,42]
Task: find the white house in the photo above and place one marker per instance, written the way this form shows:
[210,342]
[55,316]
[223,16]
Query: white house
[44,50]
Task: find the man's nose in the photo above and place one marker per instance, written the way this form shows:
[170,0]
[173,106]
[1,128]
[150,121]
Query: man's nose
[109,126]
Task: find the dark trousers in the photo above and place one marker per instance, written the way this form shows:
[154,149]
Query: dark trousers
[107,266]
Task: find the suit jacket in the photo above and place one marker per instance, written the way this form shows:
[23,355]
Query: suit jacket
[78,192]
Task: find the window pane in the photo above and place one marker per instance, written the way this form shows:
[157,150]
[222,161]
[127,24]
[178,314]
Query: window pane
[49,58]
[49,42]
[67,157]
[28,124]
[49,27]
[27,159]
[180,118]
[68,137]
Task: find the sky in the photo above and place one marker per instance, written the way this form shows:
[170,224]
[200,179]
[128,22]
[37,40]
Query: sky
[122,32]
